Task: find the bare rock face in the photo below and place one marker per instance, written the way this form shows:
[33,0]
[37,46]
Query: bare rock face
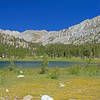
[11,33]
[86,31]
[34,36]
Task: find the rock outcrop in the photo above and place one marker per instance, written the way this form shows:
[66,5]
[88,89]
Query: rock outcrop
[86,31]
[46,97]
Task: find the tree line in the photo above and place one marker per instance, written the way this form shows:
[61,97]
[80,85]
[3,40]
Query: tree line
[70,50]
[52,50]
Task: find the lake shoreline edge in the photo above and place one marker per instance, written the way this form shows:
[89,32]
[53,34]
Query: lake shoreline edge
[73,59]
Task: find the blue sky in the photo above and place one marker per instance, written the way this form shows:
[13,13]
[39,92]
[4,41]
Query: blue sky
[48,15]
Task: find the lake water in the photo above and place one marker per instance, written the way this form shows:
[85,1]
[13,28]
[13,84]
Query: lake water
[37,64]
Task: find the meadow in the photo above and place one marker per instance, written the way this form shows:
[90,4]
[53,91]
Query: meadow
[80,83]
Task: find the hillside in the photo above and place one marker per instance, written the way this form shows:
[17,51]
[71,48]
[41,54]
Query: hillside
[33,43]
[11,46]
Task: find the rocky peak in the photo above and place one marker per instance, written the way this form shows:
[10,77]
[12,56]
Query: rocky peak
[87,30]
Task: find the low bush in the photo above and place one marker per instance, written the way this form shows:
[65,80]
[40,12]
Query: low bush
[11,66]
[54,74]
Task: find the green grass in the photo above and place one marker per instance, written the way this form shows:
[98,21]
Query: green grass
[81,83]
[72,59]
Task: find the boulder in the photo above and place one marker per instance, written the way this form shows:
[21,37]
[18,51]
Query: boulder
[46,97]
[21,71]
[20,76]
[62,85]
[7,90]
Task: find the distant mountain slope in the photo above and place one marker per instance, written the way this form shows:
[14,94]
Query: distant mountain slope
[11,40]
[86,31]
[11,46]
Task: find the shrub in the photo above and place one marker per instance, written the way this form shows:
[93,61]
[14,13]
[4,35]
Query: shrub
[11,66]
[45,63]
[54,74]
[20,68]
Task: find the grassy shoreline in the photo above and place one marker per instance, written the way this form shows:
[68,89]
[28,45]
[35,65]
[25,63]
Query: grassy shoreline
[73,59]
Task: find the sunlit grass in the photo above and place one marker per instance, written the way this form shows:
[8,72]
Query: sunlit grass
[77,86]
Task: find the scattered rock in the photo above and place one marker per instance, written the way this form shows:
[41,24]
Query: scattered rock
[21,71]
[62,85]
[28,97]
[7,90]
[20,76]
[46,97]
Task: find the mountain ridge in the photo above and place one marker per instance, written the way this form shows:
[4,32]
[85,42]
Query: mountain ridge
[86,31]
